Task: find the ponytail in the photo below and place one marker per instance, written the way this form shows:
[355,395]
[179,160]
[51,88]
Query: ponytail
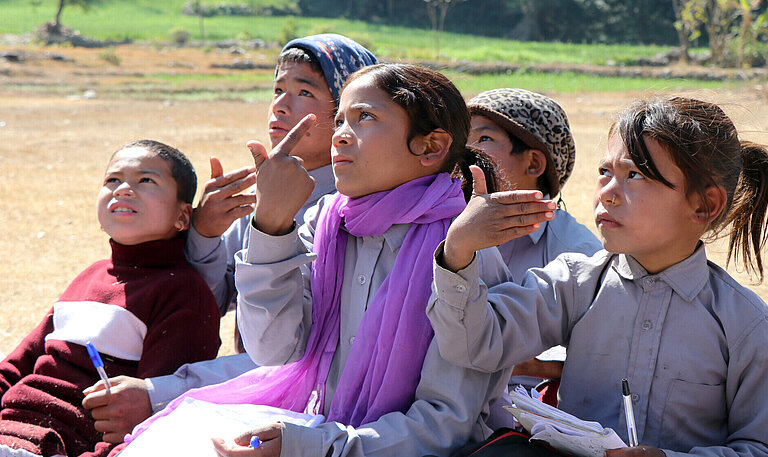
[747,213]
[474,156]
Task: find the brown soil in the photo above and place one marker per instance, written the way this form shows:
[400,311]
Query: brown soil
[54,145]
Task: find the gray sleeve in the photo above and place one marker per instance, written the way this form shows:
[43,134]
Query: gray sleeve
[449,400]
[163,389]
[490,327]
[213,258]
[274,303]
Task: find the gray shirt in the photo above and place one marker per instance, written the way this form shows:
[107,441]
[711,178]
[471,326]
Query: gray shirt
[274,316]
[690,340]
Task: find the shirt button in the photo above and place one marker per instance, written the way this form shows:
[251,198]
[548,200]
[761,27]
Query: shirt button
[461,289]
[351,340]
[647,325]
[361,279]
[635,397]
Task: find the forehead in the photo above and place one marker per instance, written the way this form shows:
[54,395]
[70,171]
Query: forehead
[300,72]
[480,122]
[138,158]
[364,90]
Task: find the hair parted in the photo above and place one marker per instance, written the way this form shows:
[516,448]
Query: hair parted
[181,168]
[703,142]
[433,102]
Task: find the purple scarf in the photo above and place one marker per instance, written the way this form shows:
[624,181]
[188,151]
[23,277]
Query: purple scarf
[384,365]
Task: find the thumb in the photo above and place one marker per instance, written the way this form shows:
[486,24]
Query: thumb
[479,186]
[258,151]
[216,168]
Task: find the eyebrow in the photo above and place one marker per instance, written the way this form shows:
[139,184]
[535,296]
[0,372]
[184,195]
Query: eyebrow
[297,79]
[362,105]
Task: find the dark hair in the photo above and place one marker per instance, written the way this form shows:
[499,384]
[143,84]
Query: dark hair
[433,102]
[703,142]
[181,168]
[299,55]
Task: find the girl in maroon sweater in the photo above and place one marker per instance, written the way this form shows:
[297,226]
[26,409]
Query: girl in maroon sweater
[145,309]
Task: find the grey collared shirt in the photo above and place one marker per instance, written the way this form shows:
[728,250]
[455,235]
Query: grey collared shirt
[274,316]
[691,341]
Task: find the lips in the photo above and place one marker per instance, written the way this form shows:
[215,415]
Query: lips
[604,219]
[278,128]
[121,208]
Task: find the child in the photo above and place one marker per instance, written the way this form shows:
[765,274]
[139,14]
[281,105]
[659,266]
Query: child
[528,137]
[145,309]
[352,322]
[308,79]
[652,308]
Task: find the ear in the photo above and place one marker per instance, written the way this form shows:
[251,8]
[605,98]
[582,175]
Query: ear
[436,145]
[707,211]
[537,163]
[185,216]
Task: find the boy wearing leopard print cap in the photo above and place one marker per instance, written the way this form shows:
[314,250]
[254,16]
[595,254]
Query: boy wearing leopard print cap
[529,138]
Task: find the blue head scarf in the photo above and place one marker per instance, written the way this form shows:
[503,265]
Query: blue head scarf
[338,56]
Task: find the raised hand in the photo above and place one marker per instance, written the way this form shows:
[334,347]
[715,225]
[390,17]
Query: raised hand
[282,183]
[493,219]
[222,203]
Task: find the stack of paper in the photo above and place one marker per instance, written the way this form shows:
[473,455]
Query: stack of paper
[562,431]
[189,428]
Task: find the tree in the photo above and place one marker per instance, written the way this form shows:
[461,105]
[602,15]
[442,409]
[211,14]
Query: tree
[83,4]
[437,10]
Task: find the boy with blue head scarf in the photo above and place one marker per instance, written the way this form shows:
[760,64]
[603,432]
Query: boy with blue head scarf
[309,75]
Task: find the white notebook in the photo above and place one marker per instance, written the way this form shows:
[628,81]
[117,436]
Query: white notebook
[562,431]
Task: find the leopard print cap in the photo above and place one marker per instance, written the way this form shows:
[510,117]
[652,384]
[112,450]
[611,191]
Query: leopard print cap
[538,121]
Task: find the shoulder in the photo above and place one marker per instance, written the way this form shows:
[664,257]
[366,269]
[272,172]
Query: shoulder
[568,235]
[729,298]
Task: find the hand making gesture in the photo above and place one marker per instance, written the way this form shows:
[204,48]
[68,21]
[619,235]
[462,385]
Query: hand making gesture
[282,183]
[493,219]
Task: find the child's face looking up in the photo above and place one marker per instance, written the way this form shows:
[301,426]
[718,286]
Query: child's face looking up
[138,202]
[489,137]
[370,146]
[298,90]
[641,217]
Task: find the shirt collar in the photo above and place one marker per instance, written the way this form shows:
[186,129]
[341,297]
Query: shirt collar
[686,278]
[536,236]
[396,235]
[325,183]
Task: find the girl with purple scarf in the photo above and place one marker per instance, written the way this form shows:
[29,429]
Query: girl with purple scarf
[334,310]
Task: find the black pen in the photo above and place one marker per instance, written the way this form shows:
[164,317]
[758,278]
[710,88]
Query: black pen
[629,413]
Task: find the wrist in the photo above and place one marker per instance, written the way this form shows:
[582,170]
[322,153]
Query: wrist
[272,227]
[455,258]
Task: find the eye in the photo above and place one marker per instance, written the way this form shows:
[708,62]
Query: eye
[149,180]
[277,91]
[604,172]
[337,123]
[365,115]
[305,93]
[633,174]
[111,181]
[484,138]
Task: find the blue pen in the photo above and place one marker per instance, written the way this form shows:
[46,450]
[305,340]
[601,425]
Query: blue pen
[98,364]
[255,442]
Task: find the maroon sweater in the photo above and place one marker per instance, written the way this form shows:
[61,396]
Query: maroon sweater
[146,311]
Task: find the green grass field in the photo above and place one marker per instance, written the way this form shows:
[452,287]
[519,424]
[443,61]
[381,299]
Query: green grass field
[153,20]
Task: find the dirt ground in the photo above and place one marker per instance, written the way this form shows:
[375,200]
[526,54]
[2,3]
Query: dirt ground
[54,145]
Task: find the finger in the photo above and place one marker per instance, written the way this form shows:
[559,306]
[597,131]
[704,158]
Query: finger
[241,174]
[532,207]
[479,186]
[232,450]
[113,437]
[516,196]
[294,136]
[524,220]
[216,168]
[96,399]
[94,388]
[258,152]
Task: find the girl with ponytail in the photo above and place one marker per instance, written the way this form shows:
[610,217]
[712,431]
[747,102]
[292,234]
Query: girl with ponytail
[649,308]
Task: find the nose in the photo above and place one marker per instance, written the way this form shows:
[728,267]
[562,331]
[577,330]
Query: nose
[280,104]
[123,190]
[342,135]
[608,194]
